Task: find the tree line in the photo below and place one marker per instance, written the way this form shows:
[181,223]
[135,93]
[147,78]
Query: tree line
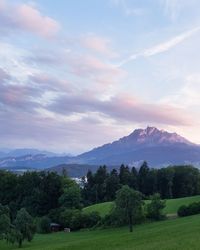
[41,192]
[169,182]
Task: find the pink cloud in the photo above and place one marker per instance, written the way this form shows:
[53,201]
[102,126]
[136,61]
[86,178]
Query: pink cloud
[27,18]
[95,69]
[132,109]
[2,4]
[98,44]
[17,97]
[121,108]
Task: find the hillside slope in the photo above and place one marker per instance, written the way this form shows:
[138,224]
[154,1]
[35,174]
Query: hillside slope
[172,205]
[178,234]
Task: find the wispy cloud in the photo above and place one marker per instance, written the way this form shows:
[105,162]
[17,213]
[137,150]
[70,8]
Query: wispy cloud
[174,8]
[126,7]
[162,47]
[119,108]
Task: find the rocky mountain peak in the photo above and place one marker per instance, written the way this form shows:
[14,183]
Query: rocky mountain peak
[152,135]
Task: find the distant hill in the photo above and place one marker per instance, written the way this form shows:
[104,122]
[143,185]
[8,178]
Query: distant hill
[24,151]
[32,161]
[73,170]
[77,170]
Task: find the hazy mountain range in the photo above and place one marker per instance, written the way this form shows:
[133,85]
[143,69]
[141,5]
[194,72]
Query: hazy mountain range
[4,152]
[157,147]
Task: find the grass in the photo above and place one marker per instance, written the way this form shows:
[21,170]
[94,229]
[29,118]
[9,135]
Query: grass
[102,208]
[181,233]
[172,205]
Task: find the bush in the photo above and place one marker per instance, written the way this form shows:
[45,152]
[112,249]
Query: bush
[90,219]
[65,217]
[191,209]
[194,208]
[182,211]
[76,219]
[54,214]
[44,225]
[113,219]
[155,208]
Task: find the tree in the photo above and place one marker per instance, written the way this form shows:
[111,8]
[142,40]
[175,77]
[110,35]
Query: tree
[24,226]
[186,181]
[124,175]
[142,178]
[4,226]
[100,185]
[5,222]
[50,189]
[112,185]
[151,182]
[88,193]
[155,207]
[165,182]
[71,197]
[39,192]
[134,178]
[44,225]
[8,182]
[128,202]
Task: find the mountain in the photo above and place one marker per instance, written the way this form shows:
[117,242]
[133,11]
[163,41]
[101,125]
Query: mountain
[24,151]
[2,154]
[40,161]
[158,147]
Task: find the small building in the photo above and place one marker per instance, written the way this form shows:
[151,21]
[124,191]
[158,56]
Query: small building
[67,230]
[55,227]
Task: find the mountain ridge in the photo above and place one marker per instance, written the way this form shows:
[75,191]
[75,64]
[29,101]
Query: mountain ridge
[136,142]
[158,147]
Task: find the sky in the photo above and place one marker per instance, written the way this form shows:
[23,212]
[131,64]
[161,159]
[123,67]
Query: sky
[77,74]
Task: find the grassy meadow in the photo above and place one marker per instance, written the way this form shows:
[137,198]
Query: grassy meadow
[172,205]
[180,233]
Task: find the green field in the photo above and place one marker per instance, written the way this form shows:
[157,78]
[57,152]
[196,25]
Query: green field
[172,205]
[102,208]
[181,233]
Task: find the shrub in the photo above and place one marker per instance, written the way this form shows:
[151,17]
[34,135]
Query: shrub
[65,217]
[155,208]
[54,214]
[191,209]
[76,219]
[44,225]
[90,219]
[182,211]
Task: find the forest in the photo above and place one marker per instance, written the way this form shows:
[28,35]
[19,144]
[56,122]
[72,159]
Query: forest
[46,197]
